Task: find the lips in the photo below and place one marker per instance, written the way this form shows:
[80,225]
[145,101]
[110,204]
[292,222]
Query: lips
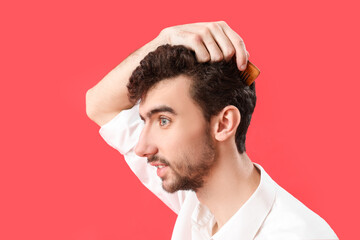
[158,164]
[161,168]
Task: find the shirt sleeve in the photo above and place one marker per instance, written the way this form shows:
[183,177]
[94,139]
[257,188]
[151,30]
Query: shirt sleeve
[122,133]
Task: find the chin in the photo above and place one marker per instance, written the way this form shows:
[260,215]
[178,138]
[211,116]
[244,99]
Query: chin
[168,189]
[170,186]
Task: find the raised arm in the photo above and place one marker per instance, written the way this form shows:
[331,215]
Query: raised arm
[213,41]
[109,96]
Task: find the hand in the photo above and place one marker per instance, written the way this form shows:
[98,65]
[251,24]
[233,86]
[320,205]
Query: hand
[213,41]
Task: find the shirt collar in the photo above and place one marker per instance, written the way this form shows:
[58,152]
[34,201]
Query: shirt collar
[246,222]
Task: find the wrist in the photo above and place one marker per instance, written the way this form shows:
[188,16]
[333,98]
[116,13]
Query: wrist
[161,39]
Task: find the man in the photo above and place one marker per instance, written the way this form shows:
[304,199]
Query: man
[180,118]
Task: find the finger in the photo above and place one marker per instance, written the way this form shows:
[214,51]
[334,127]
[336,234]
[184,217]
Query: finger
[214,38]
[192,41]
[211,45]
[222,40]
[239,45]
[201,30]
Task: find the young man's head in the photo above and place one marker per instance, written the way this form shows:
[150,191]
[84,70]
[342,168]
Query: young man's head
[191,110]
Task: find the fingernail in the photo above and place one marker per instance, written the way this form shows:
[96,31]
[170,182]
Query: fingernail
[243,67]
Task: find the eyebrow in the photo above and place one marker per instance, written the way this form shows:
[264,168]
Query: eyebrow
[162,108]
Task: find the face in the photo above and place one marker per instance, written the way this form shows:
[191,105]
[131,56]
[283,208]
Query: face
[176,138]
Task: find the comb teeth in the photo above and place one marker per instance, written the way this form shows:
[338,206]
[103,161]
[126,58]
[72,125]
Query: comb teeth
[250,73]
[244,76]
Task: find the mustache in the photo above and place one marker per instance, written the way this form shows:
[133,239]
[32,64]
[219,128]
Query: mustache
[157,158]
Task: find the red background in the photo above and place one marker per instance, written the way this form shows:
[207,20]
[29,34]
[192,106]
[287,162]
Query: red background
[59,179]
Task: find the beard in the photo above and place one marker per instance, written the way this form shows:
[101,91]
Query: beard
[188,173]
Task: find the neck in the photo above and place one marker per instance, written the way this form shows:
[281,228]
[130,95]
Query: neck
[231,183]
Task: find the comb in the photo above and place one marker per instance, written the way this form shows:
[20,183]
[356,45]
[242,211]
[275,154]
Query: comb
[250,73]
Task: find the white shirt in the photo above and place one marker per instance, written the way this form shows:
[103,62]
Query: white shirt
[270,212]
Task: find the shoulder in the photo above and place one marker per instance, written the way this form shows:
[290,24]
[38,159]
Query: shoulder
[291,219]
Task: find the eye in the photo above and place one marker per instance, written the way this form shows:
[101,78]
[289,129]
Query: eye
[163,121]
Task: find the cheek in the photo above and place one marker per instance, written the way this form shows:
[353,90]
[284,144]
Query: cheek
[183,138]
[194,129]
[187,137]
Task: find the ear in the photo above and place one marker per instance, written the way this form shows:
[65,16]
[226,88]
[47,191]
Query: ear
[226,123]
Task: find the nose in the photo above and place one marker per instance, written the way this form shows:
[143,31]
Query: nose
[145,147]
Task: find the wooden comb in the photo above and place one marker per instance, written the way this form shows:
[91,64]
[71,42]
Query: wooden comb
[250,73]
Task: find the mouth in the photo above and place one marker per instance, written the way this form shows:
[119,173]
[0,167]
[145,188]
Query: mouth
[161,168]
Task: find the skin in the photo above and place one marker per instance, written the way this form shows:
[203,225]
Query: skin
[211,41]
[181,141]
[233,177]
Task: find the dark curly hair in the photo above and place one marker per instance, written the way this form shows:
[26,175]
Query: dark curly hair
[215,85]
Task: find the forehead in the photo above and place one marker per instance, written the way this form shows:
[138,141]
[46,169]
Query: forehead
[173,93]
